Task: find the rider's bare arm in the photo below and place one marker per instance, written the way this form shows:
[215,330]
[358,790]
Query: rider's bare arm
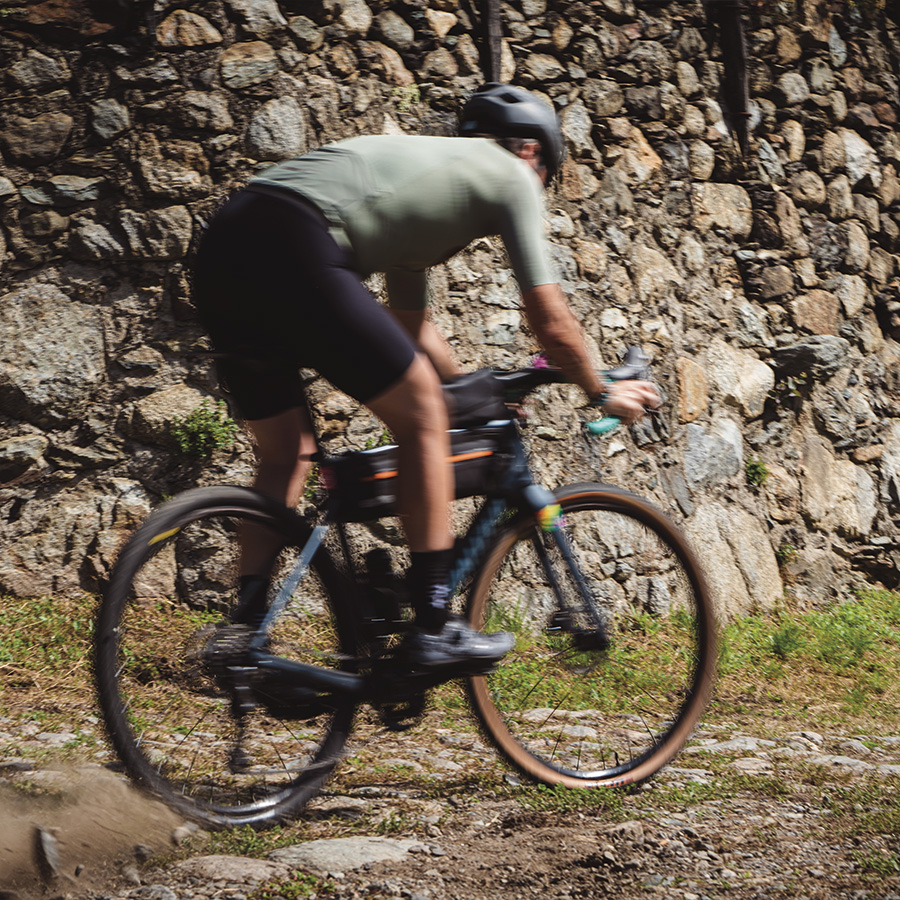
[560,334]
[422,330]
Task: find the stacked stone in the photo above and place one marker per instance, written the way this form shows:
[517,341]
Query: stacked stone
[766,288]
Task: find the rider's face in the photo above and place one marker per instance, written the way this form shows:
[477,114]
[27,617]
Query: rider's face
[531,153]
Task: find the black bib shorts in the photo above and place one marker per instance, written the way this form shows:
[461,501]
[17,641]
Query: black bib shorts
[277,293]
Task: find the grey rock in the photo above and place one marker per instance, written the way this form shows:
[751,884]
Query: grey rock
[344,854]
[51,355]
[395,31]
[308,35]
[737,557]
[724,206]
[752,765]
[821,77]
[837,495]
[18,454]
[820,355]
[861,159]
[46,855]
[793,89]
[776,281]
[38,72]
[856,257]
[152,892]
[262,18]
[652,59]
[207,112]
[150,418]
[837,49]
[840,198]
[37,140]
[109,118]
[277,130]
[653,275]
[701,160]
[578,127]
[440,63]
[712,456]
[840,762]
[157,234]
[603,97]
[90,240]
[73,189]
[247,64]
[770,164]
[156,74]
[742,378]
[827,243]
[544,67]
[355,16]
[233,869]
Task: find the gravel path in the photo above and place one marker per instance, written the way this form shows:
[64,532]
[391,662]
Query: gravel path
[432,814]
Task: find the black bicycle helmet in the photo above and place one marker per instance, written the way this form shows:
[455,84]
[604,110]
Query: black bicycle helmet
[503,111]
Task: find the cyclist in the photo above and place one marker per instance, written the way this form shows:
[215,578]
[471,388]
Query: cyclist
[278,284]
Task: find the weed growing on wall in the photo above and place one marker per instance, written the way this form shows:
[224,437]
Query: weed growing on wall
[206,429]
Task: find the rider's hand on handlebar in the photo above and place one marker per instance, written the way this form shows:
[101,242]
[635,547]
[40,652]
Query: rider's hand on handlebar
[628,400]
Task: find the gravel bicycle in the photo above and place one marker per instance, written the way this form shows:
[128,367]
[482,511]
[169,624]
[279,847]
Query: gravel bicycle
[615,630]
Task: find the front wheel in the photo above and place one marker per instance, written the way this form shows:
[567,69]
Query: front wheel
[196,737]
[562,707]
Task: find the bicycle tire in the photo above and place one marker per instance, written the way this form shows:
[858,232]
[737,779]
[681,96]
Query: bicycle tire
[169,719]
[565,715]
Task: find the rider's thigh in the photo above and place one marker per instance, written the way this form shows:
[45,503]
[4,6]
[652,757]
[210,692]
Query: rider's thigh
[414,405]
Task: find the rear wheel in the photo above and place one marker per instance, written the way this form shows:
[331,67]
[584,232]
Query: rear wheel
[173,718]
[562,709]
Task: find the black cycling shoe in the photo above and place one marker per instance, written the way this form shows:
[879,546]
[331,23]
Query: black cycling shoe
[456,647]
[253,601]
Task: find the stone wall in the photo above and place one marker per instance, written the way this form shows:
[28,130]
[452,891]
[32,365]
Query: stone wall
[766,289]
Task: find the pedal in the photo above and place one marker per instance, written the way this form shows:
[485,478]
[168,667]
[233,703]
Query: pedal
[289,701]
[596,640]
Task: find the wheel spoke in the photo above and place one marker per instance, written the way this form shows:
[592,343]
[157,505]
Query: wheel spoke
[562,711]
[171,718]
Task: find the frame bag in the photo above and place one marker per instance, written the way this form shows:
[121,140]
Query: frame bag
[363,485]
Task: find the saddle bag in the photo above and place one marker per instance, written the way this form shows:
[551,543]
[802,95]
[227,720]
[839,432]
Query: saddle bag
[363,484]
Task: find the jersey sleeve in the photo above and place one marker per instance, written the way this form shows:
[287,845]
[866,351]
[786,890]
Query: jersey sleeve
[406,288]
[522,231]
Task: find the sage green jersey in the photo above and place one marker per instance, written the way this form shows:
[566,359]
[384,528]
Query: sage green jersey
[402,203]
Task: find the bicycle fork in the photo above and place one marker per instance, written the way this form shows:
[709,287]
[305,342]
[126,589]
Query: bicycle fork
[550,526]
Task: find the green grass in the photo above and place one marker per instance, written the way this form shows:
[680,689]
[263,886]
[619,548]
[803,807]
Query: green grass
[246,841]
[850,651]
[44,634]
[296,885]
[540,798]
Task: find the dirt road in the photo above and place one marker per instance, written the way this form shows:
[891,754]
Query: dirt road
[751,809]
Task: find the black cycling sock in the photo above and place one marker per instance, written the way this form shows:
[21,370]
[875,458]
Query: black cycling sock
[252,601]
[428,588]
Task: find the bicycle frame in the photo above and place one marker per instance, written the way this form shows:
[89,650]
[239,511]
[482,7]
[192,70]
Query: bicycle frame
[517,491]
